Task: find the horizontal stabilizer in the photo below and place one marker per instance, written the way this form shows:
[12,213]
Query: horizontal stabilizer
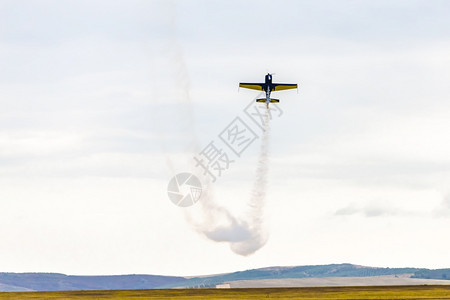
[263,100]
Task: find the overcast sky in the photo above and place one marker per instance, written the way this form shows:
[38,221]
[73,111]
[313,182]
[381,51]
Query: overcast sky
[102,102]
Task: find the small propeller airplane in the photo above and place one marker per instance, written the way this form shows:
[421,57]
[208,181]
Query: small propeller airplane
[268,87]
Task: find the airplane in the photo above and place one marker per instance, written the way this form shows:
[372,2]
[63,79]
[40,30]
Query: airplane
[268,87]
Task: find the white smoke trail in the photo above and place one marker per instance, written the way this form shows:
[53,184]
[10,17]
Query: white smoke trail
[182,81]
[245,235]
[183,107]
[259,237]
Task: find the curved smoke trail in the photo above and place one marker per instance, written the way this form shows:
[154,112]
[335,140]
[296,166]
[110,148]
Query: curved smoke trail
[183,107]
[245,235]
[258,237]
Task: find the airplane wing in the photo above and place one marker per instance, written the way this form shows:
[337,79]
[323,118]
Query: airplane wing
[283,86]
[253,86]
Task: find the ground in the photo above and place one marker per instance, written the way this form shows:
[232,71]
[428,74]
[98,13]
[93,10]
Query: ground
[356,293]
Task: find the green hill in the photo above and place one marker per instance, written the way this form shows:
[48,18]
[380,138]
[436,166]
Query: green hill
[61,282]
[433,274]
[333,270]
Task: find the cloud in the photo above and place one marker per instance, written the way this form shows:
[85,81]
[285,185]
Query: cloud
[88,89]
[349,210]
[49,22]
[370,210]
[443,209]
[378,211]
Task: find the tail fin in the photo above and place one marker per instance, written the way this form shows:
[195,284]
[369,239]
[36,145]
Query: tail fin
[263,100]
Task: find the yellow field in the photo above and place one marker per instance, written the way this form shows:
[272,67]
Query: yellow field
[372,292]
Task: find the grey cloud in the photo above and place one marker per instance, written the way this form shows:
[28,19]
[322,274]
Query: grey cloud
[369,210]
[443,209]
[375,211]
[360,21]
[351,209]
[47,22]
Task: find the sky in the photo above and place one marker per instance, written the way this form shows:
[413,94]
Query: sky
[103,102]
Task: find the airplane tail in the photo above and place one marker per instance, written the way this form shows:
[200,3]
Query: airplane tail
[263,100]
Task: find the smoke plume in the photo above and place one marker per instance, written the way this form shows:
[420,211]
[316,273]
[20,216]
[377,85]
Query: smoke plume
[245,235]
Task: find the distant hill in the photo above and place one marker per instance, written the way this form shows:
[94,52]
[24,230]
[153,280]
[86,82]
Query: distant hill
[315,271]
[61,282]
[433,274]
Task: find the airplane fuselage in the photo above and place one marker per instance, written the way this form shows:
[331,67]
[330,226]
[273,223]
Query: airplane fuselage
[268,88]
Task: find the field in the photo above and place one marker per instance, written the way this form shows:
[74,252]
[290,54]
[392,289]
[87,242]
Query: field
[371,292]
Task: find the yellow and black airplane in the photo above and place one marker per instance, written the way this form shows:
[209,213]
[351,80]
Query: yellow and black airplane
[268,87]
